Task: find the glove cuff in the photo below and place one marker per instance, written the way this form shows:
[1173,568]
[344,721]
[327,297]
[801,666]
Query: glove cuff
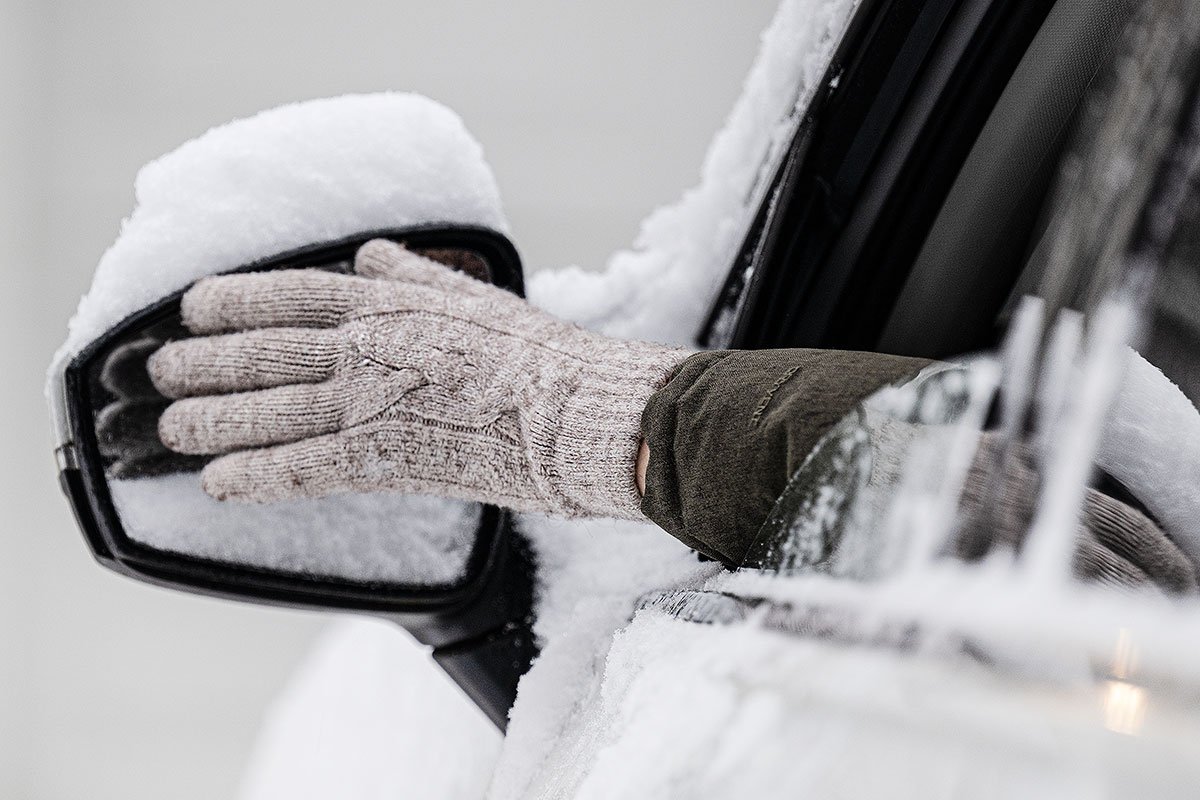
[594,454]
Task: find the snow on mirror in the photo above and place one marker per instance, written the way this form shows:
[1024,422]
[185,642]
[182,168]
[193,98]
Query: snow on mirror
[378,538]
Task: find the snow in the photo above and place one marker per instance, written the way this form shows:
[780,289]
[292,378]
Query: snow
[369,716]
[648,706]
[1151,444]
[400,539]
[659,291]
[717,712]
[292,176]
[591,574]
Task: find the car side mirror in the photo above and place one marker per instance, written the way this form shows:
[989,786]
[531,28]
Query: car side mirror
[453,573]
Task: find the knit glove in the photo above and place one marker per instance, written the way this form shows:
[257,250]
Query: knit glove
[406,376]
[1114,542]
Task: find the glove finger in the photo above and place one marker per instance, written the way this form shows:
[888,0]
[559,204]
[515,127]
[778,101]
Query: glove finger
[1094,562]
[1131,535]
[381,259]
[241,362]
[224,423]
[124,372]
[278,299]
[393,456]
[309,468]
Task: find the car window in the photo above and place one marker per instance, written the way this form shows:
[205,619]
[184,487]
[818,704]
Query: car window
[1123,216]
[1098,378]
[904,110]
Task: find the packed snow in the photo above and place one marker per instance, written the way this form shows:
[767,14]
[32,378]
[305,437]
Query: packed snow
[738,711]
[296,175]
[1151,443]
[406,540]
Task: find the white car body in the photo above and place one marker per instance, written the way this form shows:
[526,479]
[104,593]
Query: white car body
[649,705]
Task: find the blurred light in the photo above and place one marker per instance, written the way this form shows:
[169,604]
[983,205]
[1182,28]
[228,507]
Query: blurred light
[1125,658]
[1124,707]
[1124,702]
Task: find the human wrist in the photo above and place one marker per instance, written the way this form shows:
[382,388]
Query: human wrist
[640,466]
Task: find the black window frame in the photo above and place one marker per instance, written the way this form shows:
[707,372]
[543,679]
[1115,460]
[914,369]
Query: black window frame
[907,93]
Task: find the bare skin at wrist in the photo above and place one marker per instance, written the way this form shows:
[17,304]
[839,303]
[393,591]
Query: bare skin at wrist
[639,474]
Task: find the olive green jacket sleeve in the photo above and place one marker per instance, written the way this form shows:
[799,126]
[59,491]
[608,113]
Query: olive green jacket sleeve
[731,427]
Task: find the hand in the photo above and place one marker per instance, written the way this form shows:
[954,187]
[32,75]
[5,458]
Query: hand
[409,377]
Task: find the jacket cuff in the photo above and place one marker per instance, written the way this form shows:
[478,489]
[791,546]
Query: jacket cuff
[729,430]
[662,502]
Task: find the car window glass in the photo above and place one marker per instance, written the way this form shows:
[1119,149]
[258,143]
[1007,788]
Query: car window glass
[1102,337]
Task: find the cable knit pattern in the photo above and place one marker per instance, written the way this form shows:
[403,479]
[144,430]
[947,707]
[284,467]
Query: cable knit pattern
[406,376]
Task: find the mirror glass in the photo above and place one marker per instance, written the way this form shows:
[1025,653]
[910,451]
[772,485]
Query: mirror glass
[376,538]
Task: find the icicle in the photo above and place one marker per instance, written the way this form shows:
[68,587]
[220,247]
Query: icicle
[1051,542]
[1020,359]
[938,468]
[1058,373]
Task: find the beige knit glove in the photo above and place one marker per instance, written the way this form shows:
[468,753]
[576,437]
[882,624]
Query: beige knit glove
[407,377]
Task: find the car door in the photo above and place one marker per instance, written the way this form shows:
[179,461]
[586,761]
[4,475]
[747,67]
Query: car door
[915,247]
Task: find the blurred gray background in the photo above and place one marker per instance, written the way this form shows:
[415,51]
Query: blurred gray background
[591,114]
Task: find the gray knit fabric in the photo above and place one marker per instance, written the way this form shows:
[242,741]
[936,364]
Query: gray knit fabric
[1114,543]
[408,377]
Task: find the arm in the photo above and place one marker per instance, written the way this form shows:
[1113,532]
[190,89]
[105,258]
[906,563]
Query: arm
[725,435]
[410,377]
[731,427]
